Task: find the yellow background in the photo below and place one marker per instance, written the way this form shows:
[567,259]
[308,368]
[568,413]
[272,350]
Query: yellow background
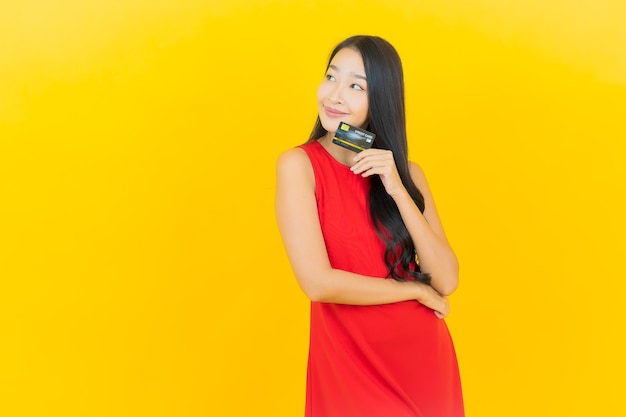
[141,271]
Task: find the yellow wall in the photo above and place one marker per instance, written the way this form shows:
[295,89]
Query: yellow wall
[141,272]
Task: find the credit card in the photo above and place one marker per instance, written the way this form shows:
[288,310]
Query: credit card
[353,138]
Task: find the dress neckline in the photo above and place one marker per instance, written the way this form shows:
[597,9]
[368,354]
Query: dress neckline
[332,158]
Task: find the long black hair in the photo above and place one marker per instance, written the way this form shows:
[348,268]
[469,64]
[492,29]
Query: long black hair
[386,118]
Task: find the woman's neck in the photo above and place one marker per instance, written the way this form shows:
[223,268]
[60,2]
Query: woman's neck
[342,155]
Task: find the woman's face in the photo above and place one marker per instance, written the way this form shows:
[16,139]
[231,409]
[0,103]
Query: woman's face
[342,96]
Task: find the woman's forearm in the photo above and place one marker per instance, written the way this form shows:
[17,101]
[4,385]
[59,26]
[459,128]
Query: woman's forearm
[435,255]
[342,287]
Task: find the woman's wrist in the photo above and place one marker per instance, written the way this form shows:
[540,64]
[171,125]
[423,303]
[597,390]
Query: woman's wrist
[420,291]
[402,196]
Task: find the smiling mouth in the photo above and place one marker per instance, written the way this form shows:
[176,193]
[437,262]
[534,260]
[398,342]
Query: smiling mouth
[333,113]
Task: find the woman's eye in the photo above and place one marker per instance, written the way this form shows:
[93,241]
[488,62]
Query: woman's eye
[330,77]
[357,87]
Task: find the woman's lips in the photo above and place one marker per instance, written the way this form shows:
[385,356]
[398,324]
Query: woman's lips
[333,113]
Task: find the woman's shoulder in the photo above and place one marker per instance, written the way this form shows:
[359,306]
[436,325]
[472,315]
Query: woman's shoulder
[416,170]
[300,154]
[292,156]
[417,175]
[294,161]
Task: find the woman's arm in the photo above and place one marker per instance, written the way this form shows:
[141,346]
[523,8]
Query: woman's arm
[435,254]
[298,222]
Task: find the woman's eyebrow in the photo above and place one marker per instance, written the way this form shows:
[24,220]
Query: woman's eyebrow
[351,73]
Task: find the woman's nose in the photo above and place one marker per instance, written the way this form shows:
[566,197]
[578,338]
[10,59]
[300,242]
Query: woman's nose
[335,95]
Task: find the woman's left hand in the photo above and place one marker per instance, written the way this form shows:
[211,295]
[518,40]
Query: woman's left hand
[379,161]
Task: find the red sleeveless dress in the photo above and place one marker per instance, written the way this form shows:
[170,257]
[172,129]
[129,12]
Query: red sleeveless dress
[390,360]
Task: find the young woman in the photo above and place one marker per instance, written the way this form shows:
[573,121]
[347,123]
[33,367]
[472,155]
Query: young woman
[367,247]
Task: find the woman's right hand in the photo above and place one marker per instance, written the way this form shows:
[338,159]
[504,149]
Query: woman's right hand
[433,300]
